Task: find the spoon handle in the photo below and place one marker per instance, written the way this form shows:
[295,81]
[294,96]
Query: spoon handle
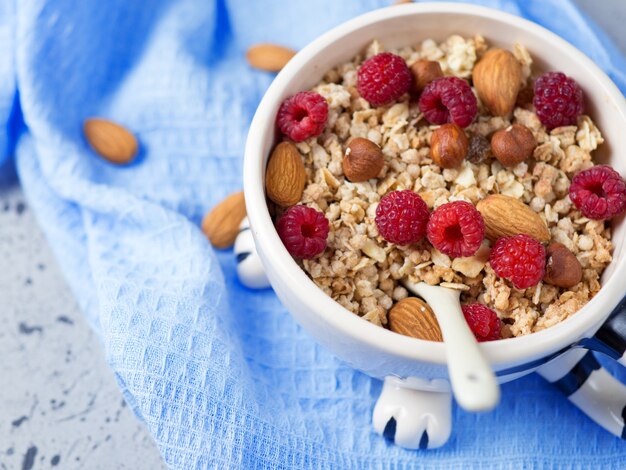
[473,381]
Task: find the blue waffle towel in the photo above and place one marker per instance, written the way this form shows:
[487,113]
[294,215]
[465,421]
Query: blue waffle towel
[219,386]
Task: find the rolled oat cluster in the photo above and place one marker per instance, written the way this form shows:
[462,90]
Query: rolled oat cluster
[493,143]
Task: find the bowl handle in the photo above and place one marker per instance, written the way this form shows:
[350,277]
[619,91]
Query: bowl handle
[589,386]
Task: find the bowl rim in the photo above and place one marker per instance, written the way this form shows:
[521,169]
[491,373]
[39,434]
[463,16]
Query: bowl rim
[512,350]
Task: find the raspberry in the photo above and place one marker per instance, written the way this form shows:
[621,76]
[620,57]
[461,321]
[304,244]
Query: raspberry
[448,99]
[521,259]
[483,322]
[599,192]
[303,231]
[558,100]
[401,217]
[456,229]
[383,78]
[302,116]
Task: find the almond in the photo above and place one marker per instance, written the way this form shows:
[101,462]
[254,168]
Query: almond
[497,78]
[505,216]
[110,140]
[513,145]
[413,317]
[285,176]
[448,145]
[269,57]
[562,267]
[221,224]
[363,160]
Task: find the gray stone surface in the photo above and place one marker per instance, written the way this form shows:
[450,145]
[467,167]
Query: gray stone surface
[59,403]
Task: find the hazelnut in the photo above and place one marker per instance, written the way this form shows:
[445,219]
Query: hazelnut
[448,146]
[424,72]
[363,160]
[513,145]
[562,267]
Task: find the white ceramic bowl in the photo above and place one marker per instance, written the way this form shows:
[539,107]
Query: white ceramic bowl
[377,351]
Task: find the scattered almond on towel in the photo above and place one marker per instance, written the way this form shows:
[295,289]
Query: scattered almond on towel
[221,224]
[269,57]
[110,140]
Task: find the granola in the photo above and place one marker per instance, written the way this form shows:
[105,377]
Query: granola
[362,272]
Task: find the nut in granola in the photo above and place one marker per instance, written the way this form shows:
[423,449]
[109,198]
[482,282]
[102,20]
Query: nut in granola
[505,216]
[424,72]
[413,317]
[562,267]
[285,176]
[513,145]
[498,78]
[448,145]
[363,160]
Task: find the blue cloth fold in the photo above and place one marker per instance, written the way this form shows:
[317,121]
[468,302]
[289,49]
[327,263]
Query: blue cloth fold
[221,383]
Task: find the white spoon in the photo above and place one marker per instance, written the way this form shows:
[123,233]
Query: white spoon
[473,382]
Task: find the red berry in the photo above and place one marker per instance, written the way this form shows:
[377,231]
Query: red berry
[448,99]
[558,100]
[521,259]
[383,78]
[303,231]
[401,217]
[456,229]
[599,192]
[483,322]
[302,116]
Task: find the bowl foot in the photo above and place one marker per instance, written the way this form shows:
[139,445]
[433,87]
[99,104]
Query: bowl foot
[413,419]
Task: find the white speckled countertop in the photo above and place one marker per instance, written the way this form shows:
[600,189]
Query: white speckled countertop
[59,403]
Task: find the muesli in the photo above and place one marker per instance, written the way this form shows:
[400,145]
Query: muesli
[452,163]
